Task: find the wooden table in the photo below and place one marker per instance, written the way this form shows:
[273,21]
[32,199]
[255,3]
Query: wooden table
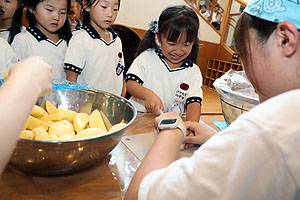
[96,182]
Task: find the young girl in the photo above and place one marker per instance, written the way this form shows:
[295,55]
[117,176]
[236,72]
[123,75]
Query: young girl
[47,35]
[7,55]
[10,10]
[94,55]
[164,75]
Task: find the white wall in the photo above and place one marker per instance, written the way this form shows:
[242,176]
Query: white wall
[139,13]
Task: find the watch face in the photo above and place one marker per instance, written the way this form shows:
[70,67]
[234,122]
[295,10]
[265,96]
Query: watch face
[168,121]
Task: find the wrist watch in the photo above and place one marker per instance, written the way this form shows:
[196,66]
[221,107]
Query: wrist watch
[172,124]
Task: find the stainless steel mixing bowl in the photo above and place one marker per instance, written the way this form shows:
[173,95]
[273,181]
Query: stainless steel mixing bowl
[62,157]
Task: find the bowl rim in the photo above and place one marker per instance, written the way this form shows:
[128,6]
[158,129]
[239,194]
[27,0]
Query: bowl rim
[96,137]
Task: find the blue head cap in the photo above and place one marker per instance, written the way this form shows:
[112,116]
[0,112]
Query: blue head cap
[275,10]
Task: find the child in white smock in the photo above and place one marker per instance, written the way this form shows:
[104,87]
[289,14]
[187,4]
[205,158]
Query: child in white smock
[94,55]
[47,35]
[7,57]
[164,75]
[10,14]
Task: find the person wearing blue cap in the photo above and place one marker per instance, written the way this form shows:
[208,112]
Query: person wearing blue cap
[257,156]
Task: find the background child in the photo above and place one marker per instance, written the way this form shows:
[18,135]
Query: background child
[7,56]
[47,34]
[94,55]
[203,12]
[10,9]
[75,15]
[164,76]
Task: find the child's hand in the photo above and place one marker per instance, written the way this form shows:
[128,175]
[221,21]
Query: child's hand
[202,133]
[153,103]
[36,71]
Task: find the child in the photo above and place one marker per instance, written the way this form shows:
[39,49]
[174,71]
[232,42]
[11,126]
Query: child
[203,12]
[164,76]
[47,35]
[216,17]
[9,10]
[75,15]
[94,55]
[7,55]
[257,156]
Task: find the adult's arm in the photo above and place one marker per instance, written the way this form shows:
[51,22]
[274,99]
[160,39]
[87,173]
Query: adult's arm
[26,82]
[163,152]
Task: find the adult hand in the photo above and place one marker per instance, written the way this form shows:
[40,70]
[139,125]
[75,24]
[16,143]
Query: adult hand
[153,103]
[201,131]
[36,71]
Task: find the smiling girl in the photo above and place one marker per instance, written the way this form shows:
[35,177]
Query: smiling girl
[164,75]
[47,35]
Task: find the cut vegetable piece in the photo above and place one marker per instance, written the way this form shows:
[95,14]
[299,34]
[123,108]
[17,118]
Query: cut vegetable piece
[96,120]
[89,132]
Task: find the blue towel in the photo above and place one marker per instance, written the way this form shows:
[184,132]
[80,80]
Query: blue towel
[220,125]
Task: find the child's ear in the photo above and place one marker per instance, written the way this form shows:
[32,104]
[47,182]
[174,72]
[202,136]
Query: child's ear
[158,39]
[157,35]
[288,37]
[31,10]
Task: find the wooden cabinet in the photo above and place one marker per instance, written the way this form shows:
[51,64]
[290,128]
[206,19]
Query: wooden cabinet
[216,68]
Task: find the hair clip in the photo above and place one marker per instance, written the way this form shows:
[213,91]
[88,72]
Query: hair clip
[153,26]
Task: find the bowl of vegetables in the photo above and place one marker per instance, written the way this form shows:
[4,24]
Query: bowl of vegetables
[70,130]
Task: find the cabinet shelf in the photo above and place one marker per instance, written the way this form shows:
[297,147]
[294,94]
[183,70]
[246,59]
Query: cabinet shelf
[216,68]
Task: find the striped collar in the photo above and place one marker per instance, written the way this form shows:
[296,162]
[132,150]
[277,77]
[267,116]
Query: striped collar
[40,36]
[186,63]
[94,34]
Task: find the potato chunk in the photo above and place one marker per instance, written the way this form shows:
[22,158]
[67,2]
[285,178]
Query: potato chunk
[80,121]
[61,128]
[96,120]
[89,132]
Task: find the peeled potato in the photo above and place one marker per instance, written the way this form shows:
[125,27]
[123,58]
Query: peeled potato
[116,126]
[86,108]
[53,137]
[80,121]
[55,117]
[38,111]
[67,136]
[49,123]
[26,134]
[68,114]
[105,120]
[61,128]
[51,109]
[89,132]
[40,133]
[96,120]
[33,123]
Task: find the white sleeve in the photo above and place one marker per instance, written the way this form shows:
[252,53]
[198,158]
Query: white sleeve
[196,84]
[20,47]
[75,55]
[137,69]
[234,164]
[8,56]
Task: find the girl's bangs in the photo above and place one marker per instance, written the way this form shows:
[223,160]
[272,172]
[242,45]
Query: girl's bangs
[181,26]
